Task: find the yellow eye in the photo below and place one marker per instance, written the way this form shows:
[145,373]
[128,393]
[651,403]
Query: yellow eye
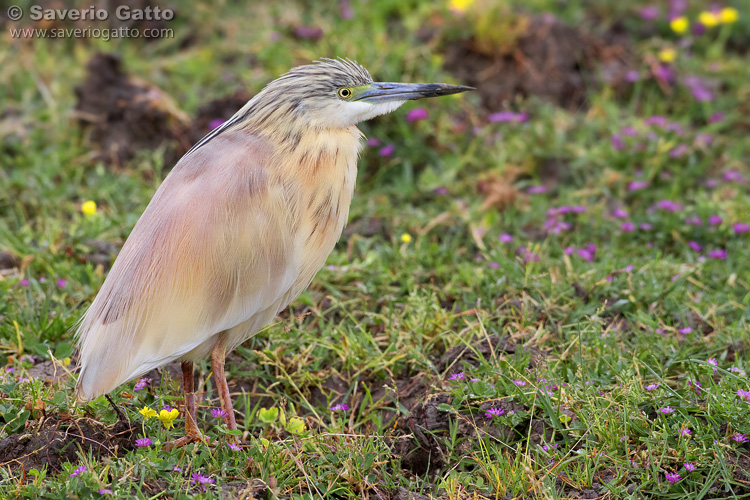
[345,93]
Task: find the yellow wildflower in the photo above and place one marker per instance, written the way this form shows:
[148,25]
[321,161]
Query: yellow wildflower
[708,19]
[66,362]
[460,5]
[295,426]
[88,207]
[406,237]
[679,24]
[167,417]
[667,55]
[147,412]
[728,15]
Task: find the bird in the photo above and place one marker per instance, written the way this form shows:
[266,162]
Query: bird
[236,231]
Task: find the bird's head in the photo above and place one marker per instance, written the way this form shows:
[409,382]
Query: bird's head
[340,93]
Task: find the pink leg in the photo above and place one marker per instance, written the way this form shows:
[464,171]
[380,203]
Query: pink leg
[218,355]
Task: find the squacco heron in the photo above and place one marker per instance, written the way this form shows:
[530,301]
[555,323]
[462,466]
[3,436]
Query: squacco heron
[236,231]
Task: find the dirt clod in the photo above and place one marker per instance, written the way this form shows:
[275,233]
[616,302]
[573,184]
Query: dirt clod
[122,115]
[57,441]
[550,60]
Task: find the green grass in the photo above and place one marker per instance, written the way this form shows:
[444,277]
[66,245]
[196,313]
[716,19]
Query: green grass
[398,328]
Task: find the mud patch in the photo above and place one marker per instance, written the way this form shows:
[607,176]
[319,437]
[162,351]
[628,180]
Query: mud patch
[122,115]
[551,60]
[422,430]
[57,441]
[8,261]
[479,348]
[256,489]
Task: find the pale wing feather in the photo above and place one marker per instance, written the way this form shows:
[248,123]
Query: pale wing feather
[212,249]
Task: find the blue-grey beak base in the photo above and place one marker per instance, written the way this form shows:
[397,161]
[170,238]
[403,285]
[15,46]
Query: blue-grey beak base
[386,91]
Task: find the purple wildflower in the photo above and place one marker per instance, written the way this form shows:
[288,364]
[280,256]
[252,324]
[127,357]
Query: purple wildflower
[505,238]
[695,385]
[78,471]
[652,387]
[715,220]
[201,479]
[345,9]
[645,226]
[685,432]
[494,265]
[142,384]
[340,407]
[441,191]
[458,376]
[689,466]
[617,143]
[588,253]
[521,383]
[718,254]
[177,468]
[528,255]
[739,438]
[649,12]
[311,32]
[629,131]
[702,94]
[219,413]
[678,151]
[373,142]
[632,76]
[716,117]
[416,114]
[143,442]
[685,330]
[104,491]
[693,220]
[61,283]
[387,150]
[666,410]
[637,185]
[672,477]
[674,127]
[24,282]
[695,246]
[663,72]
[494,412]
[539,189]
[507,116]
[677,7]
[668,205]
[740,228]
[215,123]
[234,447]
[732,176]
[624,438]
[627,227]
[657,120]
[620,213]
[703,139]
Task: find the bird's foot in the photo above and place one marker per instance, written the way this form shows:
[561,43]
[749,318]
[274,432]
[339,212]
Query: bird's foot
[185,440]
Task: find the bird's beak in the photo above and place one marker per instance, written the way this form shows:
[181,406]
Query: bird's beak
[385,91]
